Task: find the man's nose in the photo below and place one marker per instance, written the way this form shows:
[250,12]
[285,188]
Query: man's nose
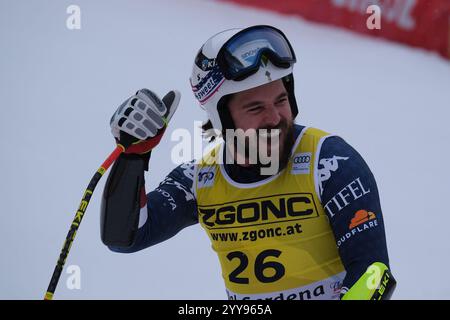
[271,116]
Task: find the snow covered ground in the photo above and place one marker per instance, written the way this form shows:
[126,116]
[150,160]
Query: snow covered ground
[59,87]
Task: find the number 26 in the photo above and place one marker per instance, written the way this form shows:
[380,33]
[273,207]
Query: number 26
[260,266]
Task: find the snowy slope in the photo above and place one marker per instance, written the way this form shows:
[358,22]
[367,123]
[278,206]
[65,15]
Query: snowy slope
[58,89]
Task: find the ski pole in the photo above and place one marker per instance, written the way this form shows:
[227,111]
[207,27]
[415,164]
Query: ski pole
[77,220]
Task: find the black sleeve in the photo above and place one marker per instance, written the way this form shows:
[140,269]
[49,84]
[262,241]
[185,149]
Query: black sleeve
[350,196]
[170,208]
[121,200]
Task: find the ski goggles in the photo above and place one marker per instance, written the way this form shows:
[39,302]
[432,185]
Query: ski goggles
[242,55]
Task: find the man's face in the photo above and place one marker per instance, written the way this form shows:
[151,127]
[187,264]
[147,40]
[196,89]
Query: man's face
[264,107]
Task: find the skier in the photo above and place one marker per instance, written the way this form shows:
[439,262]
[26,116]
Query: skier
[311,229]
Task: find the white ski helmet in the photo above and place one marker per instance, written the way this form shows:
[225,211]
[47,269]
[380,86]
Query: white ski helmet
[235,60]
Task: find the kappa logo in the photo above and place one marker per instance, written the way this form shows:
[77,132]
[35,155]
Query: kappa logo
[328,165]
[206,177]
[301,163]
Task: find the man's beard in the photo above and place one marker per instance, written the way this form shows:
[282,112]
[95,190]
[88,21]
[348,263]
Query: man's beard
[285,144]
[264,139]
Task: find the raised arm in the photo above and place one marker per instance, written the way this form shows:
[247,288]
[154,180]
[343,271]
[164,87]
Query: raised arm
[130,219]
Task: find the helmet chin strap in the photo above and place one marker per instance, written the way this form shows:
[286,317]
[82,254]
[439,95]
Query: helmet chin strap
[224,113]
[288,82]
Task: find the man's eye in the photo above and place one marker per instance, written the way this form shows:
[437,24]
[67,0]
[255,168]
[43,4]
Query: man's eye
[281,101]
[254,109]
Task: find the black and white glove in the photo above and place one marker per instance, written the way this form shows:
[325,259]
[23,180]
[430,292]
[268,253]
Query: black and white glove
[140,121]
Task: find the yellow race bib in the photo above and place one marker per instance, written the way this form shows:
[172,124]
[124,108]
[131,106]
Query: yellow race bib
[272,237]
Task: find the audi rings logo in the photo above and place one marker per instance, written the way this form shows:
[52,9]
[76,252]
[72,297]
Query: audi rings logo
[301,163]
[302,159]
[206,177]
